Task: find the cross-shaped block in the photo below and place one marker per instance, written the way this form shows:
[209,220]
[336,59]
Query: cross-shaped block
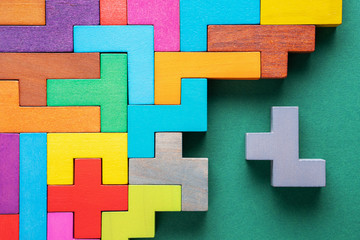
[87,198]
[281,146]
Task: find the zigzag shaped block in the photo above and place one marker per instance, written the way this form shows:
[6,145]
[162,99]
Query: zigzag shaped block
[145,120]
[139,220]
[56,36]
[64,147]
[137,41]
[110,92]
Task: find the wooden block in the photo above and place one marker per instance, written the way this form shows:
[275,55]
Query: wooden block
[109,92]
[274,43]
[43,119]
[113,12]
[87,198]
[33,188]
[9,227]
[9,173]
[170,168]
[326,13]
[196,15]
[64,147]
[164,15]
[139,45]
[170,67]
[32,70]
[57,34]
[145,120]
[139,220]
[22,12]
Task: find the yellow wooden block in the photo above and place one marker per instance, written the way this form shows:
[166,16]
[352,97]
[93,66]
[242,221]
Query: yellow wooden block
[22,12]
[325,13]
[170,67]
[139,220]
[63,148]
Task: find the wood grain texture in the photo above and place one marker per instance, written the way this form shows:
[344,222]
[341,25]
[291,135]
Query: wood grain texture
[15,119]
[113,12]
[9,227]
[171,67]
[169,167]
[33,69]
[274,43]
[87,198]
[22,12]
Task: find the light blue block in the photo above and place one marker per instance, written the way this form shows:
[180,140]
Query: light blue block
[137,41]
[33,186]
[196,15]
[144,120]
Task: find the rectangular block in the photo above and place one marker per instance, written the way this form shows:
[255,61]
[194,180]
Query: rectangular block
[22,12]
[9,227]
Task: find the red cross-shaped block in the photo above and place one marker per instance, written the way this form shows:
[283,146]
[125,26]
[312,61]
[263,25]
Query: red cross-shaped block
[87,198]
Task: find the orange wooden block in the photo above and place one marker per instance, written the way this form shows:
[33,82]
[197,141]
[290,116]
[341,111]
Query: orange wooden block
[273,41]
[32,70]
[43,119]
[9,227]
[170,67]
[22,12]
[113,12]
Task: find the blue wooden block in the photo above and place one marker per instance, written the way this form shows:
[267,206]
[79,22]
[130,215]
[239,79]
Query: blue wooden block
[145,120]
[33,186]
[137,41]
[196,15]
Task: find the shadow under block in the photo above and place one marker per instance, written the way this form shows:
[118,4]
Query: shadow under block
[43,119]
[281,146]
[113,12]
[164,15]
[9,227]
[136,41]
[9,173]
[274,43]
[87,198]
[145,120]
[196,15]
[33,187]
[22,12]
[64,147]
[109,92]
[171,67]
[170,168]
[139,220]
[32,70]
[57,34]
[326,13]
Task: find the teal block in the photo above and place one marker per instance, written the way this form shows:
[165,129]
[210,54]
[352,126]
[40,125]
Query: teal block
[33,186]
[196,15]
[136,41]
[109,92]
[145,120]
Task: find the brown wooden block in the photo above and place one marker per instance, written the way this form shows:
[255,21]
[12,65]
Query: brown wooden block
[32,70]
[273,41]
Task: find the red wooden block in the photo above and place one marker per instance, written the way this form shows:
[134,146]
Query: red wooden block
[113,12]
[87,198]
[273,41]
[9,227]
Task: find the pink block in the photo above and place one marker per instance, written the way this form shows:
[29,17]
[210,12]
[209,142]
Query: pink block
[60,226]
[164,15]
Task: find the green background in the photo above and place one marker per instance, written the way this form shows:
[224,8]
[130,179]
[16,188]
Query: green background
[242,204]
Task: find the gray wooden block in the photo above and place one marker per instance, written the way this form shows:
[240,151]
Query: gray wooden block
[169,167]
[281,146]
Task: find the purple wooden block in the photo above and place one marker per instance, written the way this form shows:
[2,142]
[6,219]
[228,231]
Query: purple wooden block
[57,34]
[9,173]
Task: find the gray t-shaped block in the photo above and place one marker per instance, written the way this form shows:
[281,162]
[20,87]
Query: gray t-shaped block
[281,146]
[169,167]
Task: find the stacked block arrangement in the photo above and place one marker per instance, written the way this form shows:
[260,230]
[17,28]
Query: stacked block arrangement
[95,96]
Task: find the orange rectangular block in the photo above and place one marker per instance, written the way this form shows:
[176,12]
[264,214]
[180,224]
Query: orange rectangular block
[43,119]
[22,12]
[113,12]
[171,67]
